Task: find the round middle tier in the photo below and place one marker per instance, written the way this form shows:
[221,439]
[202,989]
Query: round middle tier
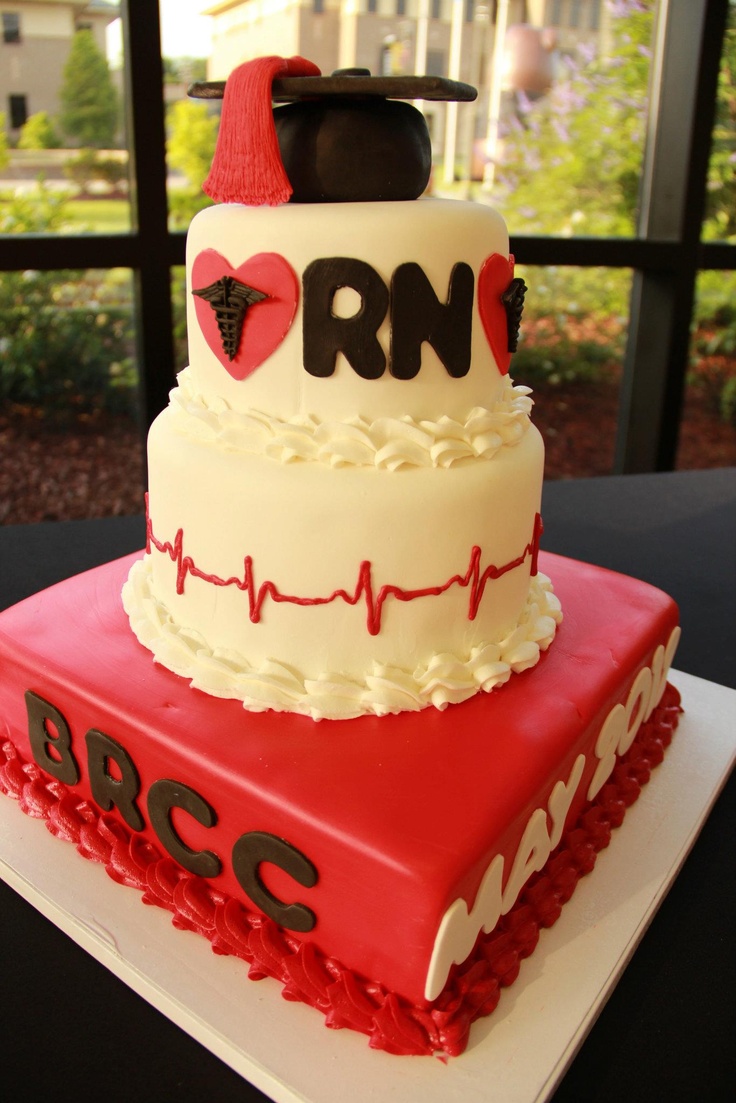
[336,592]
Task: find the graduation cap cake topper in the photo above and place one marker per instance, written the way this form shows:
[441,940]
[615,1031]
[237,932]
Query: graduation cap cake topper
[342,138]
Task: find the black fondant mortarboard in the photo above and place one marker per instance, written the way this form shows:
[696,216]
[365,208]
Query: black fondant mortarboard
[341,138]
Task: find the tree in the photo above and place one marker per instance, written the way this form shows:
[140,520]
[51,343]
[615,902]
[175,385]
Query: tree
[190,148]
[571,161]
[570,164]
[191,144]
[184,70]
[89,108]
[38,133]
[67,338]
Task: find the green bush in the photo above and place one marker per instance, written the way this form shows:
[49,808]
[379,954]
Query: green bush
[38,133]
[574,325]
[66,338]
[36,211]
[88,166]
[713,351]
[192,139]
[89,102]
[179,305]
[62,349]
[184,203]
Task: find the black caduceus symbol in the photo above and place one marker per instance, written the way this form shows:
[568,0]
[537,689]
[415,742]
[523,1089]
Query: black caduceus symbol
[513,301]
[230,299]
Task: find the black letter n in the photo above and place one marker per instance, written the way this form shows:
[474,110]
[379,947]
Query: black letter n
[417,315]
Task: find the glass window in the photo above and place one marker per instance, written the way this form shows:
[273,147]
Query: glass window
[70,442]
[558,138]
[178,299]
[71,134]
[708,426]
[564,160]
[192,124]
[571,348]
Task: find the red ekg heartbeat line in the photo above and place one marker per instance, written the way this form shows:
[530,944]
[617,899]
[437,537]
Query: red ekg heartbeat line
[474,580]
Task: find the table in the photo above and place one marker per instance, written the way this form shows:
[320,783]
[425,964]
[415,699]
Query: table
[667,1030]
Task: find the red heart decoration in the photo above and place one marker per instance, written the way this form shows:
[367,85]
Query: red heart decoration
[496,273]
[266,322]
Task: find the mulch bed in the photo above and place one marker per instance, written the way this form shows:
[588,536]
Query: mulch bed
[94,467]
[90,468]
[578,423]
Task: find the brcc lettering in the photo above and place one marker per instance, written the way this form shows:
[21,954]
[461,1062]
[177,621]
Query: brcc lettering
[115,783]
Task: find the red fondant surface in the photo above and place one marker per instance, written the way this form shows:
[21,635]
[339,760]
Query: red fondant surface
[344,998]
[400,815]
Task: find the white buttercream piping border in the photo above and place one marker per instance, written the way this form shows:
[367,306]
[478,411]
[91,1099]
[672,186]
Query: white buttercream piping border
[447,679]
[388,442]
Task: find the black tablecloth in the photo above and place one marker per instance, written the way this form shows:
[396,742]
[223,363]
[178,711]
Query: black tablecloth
[667,1032]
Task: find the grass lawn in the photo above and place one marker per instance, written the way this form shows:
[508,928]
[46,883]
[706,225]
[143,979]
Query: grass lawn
[98,216]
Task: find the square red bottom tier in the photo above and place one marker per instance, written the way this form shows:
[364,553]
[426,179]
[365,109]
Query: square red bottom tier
[391,872]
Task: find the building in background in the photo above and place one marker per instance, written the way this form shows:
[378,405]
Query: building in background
[35,39]
[450,38]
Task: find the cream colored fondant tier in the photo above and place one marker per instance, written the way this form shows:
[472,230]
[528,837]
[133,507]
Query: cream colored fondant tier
[434,233]
[298,587]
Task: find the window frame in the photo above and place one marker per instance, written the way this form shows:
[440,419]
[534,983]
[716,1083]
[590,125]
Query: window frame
[666,255]
[11,26]
[17,110]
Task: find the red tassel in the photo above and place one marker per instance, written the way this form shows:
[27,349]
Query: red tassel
[247,166]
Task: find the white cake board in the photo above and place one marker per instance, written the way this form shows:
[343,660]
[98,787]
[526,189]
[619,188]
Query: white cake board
[285,1050]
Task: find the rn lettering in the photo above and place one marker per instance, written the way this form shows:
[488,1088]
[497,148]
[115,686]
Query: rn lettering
[415,312]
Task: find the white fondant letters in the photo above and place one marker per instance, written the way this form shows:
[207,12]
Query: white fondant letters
[459,929]
[623,721]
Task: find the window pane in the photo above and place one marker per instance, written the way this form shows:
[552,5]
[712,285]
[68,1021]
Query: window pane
[179,304]
[70,444]
[11,26]
[720,209]
[573,333]
[61,107]
[708,427]
[557,137]
[191,125]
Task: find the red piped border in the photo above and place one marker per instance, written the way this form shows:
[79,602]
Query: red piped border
[345,999]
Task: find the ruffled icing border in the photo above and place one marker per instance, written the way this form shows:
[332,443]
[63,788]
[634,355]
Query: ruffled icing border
[447,679]
[387,443]
[308,976]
